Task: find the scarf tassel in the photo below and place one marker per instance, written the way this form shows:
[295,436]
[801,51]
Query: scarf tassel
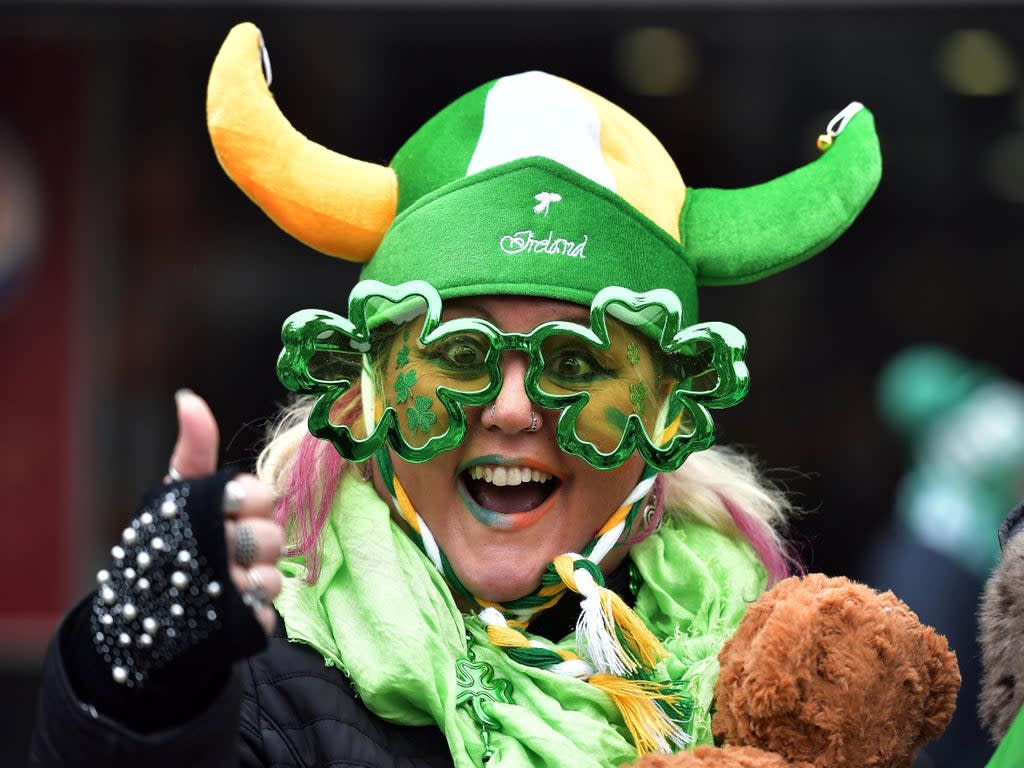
[596,636]
[608,632]
[646,708]
[636,638]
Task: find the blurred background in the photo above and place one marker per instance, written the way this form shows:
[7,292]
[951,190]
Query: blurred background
[130,265]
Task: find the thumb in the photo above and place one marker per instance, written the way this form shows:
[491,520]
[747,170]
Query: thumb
[195,452]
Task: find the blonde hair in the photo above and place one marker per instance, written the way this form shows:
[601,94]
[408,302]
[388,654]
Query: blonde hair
[720,487]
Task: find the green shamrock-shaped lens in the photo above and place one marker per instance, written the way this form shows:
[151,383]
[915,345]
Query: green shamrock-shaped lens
[636,380]
[324,354]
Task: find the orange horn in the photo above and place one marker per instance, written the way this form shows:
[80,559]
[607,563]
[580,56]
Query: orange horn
[328,201]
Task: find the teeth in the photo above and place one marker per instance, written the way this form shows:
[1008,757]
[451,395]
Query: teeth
[508,475]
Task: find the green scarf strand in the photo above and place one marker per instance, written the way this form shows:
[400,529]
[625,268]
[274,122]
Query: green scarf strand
[382,614]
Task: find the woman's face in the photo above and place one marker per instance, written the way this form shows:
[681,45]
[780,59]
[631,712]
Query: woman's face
[507,501]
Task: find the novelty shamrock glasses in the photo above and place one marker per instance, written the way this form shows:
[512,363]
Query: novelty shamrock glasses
[635,380]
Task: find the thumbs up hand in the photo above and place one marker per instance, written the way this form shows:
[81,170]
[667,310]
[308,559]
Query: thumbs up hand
[253,539]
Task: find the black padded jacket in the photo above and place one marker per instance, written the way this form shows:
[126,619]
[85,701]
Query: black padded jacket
[281,707]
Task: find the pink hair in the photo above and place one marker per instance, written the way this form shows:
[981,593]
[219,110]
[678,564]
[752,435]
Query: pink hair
[778,558]
[312,484]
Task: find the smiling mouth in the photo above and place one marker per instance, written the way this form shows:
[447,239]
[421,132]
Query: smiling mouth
[508,490]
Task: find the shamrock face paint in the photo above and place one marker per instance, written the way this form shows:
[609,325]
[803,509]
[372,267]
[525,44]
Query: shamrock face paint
[408,383]
[635,380]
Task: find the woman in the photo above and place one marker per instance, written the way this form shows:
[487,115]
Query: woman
[503,559]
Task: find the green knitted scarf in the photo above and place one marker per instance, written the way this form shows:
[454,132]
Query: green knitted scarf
[382,614]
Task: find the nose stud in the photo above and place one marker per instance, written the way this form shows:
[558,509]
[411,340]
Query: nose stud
[534,418]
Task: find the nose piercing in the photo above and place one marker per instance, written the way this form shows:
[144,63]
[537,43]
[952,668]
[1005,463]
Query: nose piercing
[534,418]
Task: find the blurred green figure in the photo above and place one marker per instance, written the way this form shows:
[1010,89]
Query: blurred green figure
[963,425]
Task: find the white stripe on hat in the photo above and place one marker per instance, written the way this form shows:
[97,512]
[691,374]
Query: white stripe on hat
[558,124]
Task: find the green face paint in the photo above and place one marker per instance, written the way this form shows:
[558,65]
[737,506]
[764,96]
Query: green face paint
[633,353]
[403,385]
[616,419]
[612,400]
[638,397]
[419,416]
[402,358]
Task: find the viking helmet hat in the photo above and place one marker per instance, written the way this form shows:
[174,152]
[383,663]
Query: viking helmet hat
[530,185]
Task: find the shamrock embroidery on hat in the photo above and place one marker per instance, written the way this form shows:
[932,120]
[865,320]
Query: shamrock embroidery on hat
[544,201]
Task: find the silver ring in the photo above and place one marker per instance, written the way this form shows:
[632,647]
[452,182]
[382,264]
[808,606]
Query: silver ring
[534,422]
[246,544]
[255,579]
[255,600]
[234,495]
[255,596]
[492,409]
[172,476]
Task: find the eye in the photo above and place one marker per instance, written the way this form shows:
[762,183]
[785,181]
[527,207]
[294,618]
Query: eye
[573,366]
[460,353]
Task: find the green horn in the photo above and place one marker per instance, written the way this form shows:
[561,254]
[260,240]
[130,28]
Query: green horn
[741,235]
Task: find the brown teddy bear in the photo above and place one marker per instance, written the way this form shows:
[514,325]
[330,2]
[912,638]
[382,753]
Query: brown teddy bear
[825,673]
